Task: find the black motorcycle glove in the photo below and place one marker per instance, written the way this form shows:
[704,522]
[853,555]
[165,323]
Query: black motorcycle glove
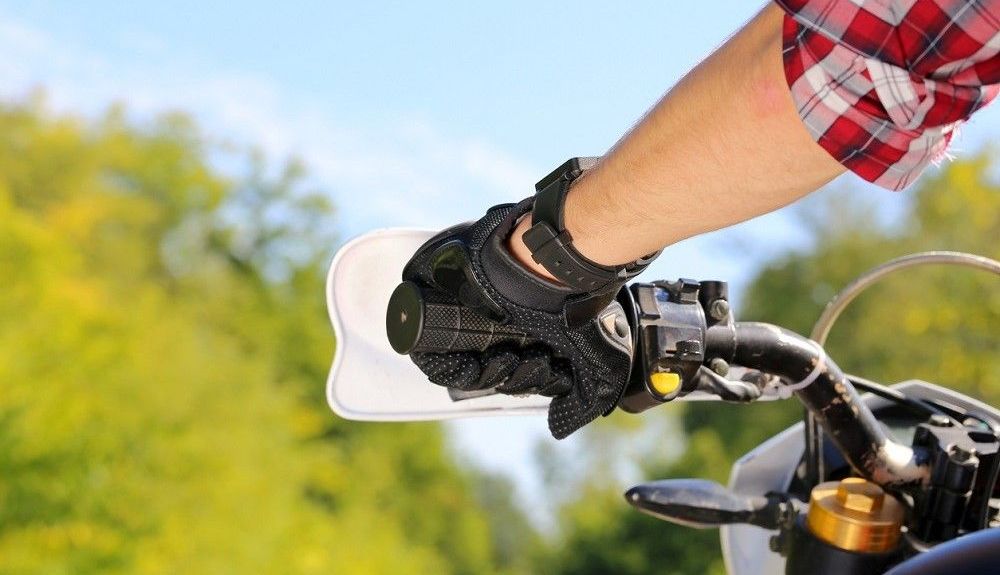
[577,346]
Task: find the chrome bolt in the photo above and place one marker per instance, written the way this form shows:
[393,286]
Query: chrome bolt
[719,309]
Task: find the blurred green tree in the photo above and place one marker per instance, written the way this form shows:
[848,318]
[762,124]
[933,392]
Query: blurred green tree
[163,347]
[937,324]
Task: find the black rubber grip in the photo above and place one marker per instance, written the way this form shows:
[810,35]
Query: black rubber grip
[414,324]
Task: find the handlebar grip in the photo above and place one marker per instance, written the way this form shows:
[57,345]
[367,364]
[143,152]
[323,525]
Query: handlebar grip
[414,324]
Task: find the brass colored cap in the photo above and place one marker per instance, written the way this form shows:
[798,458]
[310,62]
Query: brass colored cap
[855,515]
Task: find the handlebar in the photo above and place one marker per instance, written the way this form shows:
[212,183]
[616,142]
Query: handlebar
[415,322]
[684,328]
[668,313]
[832,400]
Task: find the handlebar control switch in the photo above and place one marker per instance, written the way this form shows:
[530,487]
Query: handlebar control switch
[670,321]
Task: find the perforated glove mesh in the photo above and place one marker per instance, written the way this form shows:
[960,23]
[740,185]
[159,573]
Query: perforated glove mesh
[581,364]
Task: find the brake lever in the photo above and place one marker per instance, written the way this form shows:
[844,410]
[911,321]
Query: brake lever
[727,390]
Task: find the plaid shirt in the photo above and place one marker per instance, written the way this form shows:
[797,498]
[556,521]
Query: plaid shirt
[882,85]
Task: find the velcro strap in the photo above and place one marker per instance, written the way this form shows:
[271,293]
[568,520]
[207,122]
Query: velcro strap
[551,245]
[551,251]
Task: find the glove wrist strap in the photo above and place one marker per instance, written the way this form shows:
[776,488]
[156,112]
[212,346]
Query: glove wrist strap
[551,244]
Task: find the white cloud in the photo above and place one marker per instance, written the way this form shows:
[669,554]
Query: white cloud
[410,173]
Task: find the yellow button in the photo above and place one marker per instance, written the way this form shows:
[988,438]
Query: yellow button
[665,382]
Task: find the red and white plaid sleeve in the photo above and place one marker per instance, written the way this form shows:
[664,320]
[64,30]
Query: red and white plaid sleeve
[883,84]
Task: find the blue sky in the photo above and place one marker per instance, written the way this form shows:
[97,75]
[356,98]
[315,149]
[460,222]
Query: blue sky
[409,113]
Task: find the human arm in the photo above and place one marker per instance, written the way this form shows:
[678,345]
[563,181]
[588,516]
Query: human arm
[724,145]
[880,87]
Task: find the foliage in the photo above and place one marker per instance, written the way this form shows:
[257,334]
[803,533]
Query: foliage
[163,347]
[940,325]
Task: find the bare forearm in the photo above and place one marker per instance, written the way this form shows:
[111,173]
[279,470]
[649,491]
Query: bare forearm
[724,145]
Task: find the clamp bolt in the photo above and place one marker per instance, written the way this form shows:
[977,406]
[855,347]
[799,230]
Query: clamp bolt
[719,309]
[939,420]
